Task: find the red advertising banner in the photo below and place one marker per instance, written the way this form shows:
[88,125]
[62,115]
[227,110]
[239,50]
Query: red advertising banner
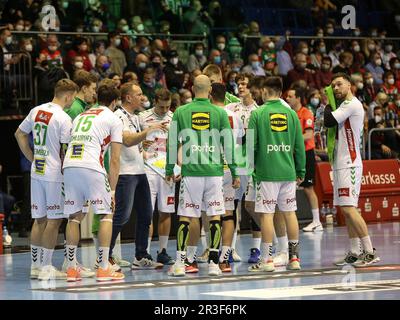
[380,189]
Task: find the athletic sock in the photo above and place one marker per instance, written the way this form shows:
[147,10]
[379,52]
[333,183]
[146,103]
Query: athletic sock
[182,236]
[65,249]
[163,242]
[224,256]
[71,256]
[256,243]
[293,248]
[180,257]
[204,240]
[215,234]
[36,256]
[96,242]
[191,253]
[367,244]
[283,244]
[234,239]
[103,257]
[355,246]
[47,256]
[148,245]
[266,252]
[315,214]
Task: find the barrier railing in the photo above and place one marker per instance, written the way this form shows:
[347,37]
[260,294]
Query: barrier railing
[370,135]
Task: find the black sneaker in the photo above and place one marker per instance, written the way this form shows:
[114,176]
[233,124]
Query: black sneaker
[164,258]
[350,258]
[366,259]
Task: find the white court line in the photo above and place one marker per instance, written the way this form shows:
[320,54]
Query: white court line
[306,291]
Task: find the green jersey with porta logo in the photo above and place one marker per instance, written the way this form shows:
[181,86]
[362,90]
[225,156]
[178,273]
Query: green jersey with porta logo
[206,136]
[278,143]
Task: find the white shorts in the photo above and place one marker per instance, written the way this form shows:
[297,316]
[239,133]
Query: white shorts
[244,181]
[269,194]
[47,199]
[163,192]
[250,191]
[197,193]
[346,186]
[229,192]
[85,187]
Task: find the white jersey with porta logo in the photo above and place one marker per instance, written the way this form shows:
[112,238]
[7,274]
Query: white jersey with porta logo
[350,118]
[237,126]
[50,127]
[242,111]
[147,119]
[92,133]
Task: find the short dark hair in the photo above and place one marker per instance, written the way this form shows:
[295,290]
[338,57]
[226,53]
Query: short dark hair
[299,92]
[218,91]
[341,75]
[107,94]
[273,84]
[162,95]
[126,89]
[387,74]
[242,76]
[64,86]
[257,82]
[84,78]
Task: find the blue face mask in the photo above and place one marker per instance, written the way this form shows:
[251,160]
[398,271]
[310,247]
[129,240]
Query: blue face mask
[255,64]
[105,66]
[217,59]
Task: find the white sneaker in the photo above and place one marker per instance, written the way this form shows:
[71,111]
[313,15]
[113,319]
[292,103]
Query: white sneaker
[262,266]
[177,270]
[51,273]
[83,271]
[145,264]
[314,227]
[204,257]
[213,269]
[122,263]
[281,259]
[34,273]
[235,256]
[114,266]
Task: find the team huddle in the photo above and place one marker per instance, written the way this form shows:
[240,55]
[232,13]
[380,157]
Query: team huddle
[107,158]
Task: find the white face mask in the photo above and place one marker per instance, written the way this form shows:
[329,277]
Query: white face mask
[142,65]
[188,100]
[356,33]
[378,119]
[221,46]
[378,62]
[174,61]
[370,81]
[8,40]
[140,27]
[391,81]
[117,42]
[397,65]
[125,28]
[330,31]
[360,85]
[388,48]
[19,27]
[29,47]
[146,104]
[96,28]
[271,45]
[374,33]
[320,35]
[398,103]
[356,48]
[371,47]
[304,50]
[314,102]
[199,53]
[322,49]
[79,64]
[52,48]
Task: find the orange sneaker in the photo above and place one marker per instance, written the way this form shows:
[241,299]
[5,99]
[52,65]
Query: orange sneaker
[108,275]
[73,275]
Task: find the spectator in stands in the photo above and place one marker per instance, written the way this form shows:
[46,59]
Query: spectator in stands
[175,72]
[251,44]
[77,64]
[141,63]
[221,46]
[175,101]
[283,59]
[319,51]
[389,86]
[395,68]
[185,96]
[358,57]
[369,47]
[149,84]
[157,64]
[102,67]
[99,49]
[96,25]
[267,52]
[254,66]
[116,79]
[196,20]
[80,48]
[52,52]
[158,47]
[6,204]
[345,63]
[375,67]
[142,45]
[197,60]
[215,58]
[313,100]
[381,100]
[388,54]
[169,16]
[130,76]
[334,54]
[358,88]
[137,26]
[299,72]
[116,56]
[19,25]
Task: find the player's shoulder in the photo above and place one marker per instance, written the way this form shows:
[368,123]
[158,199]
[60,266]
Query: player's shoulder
[232,106]
[145,114]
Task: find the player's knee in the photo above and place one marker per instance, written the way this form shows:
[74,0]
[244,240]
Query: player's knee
[248,205]
[227,217]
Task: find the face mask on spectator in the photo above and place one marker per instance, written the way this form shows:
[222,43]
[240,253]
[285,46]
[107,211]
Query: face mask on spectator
[322,49]
[391,81]
[360,85]
[140,27]
[217,59]
[29,28]
[125,28]
[96,28]
[304,50]
[8,40]
[356,48]
[370,81]
[378,62]
[79,30]
[271,45]
[398,103]
[255,64]
[188,100]
[371,47]
[325,66]
[57,29]
[19,27]
[79,64]
[378,119]
[150,83]
[65,4]
[314,102]
[302,65]
[320,34]
[356,33]
[388,48]
[236,69]
[199,52]
[397,65]
[374,33]
[330,31]
[52,48]
[117,42]
[142,65]
[146,104]
[174,61]
[29,47]
[105,66]
[221,46]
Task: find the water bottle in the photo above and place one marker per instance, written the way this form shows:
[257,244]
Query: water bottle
[6,237]
[329,218]
[334,214]
[323,210]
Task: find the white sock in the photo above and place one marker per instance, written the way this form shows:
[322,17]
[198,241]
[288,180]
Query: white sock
[355,246]
[224,253]
[117,248]
[256,243]
[103,257]
[204,241]
[266,251]
[234,239]
[47,256]
[315,215]
[36,256]
[283,244]
[180,257]
[148,245]
[96,242]
[367,244]
[71,256]
[65,249]
[163,242]
[191,253]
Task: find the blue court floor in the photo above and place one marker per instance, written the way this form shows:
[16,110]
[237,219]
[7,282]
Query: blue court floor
[318,279]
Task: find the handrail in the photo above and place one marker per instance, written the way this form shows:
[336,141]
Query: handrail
[370,134]
[324,37]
